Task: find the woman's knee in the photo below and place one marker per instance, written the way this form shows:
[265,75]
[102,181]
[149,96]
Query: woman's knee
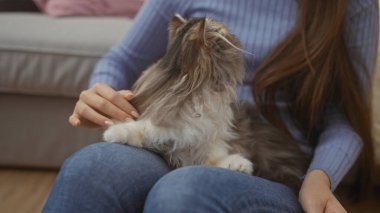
[210,189]
[115,173]
[93,161]
[110,159]
[187,189]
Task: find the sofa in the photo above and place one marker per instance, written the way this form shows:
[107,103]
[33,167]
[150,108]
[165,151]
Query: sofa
[45,63]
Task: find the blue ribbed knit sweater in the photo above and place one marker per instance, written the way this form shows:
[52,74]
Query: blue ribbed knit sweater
[260,25]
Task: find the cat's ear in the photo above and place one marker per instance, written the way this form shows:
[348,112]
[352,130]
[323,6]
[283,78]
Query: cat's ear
[176,22]
[202,31]
[199,34]
[178,17]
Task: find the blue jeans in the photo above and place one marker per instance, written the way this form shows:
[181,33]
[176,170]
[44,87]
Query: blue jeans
[108,177]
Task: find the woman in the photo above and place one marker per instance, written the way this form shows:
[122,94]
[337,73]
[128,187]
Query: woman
[310,76]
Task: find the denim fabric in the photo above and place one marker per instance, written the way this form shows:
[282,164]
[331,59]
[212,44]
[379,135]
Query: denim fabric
[107,177]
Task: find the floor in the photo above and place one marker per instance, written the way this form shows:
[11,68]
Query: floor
[26,190]
[371,205]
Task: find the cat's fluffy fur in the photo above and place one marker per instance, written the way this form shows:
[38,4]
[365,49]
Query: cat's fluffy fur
[186,103]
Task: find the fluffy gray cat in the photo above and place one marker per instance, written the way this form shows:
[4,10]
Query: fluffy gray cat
[190,113]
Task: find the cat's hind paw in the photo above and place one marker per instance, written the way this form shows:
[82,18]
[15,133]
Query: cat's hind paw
[238,163]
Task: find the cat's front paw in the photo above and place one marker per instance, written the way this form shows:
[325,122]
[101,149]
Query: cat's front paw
[238,163]
[115,134]
[120,133]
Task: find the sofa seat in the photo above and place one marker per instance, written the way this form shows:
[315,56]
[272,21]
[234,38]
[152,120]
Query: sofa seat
[45,63]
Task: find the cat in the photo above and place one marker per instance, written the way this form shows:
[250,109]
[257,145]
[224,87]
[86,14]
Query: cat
[190,113]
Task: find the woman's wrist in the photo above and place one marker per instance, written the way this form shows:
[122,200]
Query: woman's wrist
[318,177]
[316,184]
[315,195]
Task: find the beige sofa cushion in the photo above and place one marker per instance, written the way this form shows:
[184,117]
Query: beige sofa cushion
[49,56]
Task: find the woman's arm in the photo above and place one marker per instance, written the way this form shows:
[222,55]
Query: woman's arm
[339,145]
[144,43]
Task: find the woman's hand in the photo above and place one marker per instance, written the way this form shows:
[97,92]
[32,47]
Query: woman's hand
[315,195]
[99,104]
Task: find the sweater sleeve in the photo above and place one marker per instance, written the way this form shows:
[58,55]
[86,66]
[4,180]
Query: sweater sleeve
[144,43]
[339,145]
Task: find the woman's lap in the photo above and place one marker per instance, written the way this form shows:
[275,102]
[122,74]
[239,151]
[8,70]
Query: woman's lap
[107,177]
[210,189]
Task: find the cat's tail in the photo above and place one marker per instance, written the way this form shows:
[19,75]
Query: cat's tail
[275,156]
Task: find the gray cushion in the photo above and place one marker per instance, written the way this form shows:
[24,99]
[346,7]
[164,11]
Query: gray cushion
[53,56]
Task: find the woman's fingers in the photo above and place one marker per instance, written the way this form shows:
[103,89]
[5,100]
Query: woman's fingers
[98,105]
[76,121]
[127,94]
[334,206]
[104,106]
[84,112]
[118,99]
[312,206]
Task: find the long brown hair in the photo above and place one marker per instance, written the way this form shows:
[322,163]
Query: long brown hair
[312,68]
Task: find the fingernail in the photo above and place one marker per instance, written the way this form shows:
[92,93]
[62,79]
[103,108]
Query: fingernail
[130,96]
[108,123]
[135,114]
[128,119]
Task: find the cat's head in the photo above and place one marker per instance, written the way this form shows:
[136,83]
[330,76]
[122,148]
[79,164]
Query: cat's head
[202,52]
